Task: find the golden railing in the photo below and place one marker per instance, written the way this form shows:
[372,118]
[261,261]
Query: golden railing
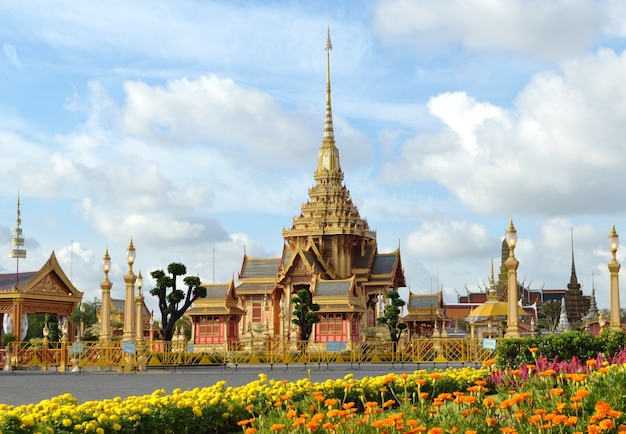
[123,356]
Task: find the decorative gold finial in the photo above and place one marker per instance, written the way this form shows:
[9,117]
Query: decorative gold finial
[329,45]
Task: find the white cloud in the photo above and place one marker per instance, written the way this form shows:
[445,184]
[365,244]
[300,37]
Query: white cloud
[11,53]
[449,239]
[212,109]
[561,148]
[553,29]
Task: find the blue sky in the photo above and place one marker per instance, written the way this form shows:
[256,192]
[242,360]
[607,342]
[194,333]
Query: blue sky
[194,127]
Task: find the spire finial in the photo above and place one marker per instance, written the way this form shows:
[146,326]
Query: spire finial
[328,124]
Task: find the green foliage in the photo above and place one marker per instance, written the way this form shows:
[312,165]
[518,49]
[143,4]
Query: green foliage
[170,296]
[87,314]
[392,316]
[512,353]
[8,338]
[551,311]
[305,313]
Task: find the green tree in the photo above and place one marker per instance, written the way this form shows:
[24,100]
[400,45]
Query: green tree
[171,297]
[87,313]
[551,311]
[392,317]
[305,312]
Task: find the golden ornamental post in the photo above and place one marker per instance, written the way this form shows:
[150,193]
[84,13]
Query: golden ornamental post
[106,285]
[512,263]
[614,266]
[129,280]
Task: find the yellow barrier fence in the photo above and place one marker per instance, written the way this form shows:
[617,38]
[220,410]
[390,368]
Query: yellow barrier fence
[126,356]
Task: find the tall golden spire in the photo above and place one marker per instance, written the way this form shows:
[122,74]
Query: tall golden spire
[329,210]
[328,162]
[328,123]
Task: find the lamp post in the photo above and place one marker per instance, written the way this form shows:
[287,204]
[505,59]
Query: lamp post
[129,280]
[63,328]
[282,324]
[105,285]
[614,266]
[151,331]
[511,266]
[139,309]
[81,326]
[44,358]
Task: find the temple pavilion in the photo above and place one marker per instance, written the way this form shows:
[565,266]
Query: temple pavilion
[329,250]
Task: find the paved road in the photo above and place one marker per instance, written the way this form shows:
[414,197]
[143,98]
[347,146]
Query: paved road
[32,386]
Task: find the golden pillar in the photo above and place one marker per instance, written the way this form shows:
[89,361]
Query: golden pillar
[512,263]
[139,309]
[106,285]
[614,266]
[129,280]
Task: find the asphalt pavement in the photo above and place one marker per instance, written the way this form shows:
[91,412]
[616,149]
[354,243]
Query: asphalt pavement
[26,386]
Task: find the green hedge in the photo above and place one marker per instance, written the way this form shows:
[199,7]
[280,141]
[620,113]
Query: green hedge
[511,353]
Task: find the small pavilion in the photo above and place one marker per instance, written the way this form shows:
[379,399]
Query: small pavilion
[45,291]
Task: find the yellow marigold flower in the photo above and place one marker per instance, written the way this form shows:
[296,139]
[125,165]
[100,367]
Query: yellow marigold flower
[28,420]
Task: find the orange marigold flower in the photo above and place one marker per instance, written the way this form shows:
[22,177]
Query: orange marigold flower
[470,431]
[370,404]
[533,350]
[436,376]
[614,414]
[534,419]
[250,430]
[348,405]
[312,426]
[591,363]
[602,408]
[581,393]
[435,431]
[559,419]
[330,402]
[388,378]
[389,403]
[556,392]
[480,382]
[489,402]
[489,362]
[548,373]
[571,421]
[328,426]
[593,429]
[607,424]
[491,421]
[277,427]
[420,381]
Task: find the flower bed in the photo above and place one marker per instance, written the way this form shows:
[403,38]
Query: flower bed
[589,400]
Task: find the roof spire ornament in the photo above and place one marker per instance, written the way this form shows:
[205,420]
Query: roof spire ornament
[17,242]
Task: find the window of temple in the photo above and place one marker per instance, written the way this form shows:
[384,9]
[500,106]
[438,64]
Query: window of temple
[332,327]
[209,330]
[256,312]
